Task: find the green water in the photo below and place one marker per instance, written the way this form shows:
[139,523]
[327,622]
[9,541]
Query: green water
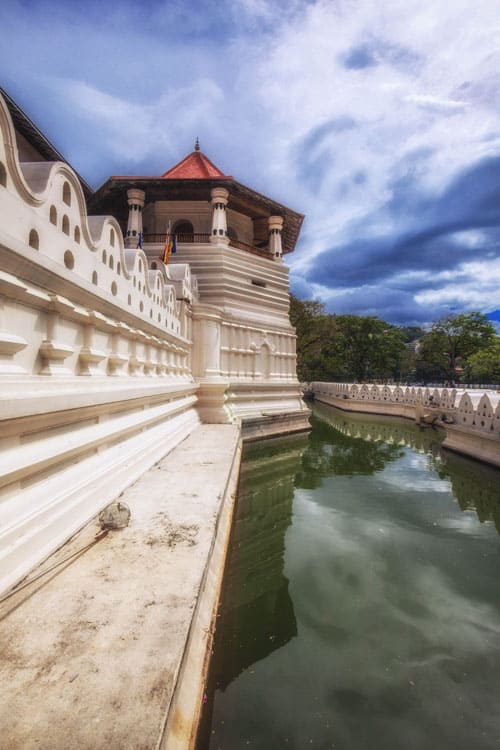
[361,606]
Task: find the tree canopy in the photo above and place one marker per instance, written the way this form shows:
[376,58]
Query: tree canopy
[453,339]
[343,347]
[365,348]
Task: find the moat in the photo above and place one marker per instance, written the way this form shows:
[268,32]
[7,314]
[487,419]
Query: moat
[361,604]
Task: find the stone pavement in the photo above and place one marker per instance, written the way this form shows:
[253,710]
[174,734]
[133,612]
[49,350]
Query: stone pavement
[91,652]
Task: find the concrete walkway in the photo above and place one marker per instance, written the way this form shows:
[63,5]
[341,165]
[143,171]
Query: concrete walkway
[91,652]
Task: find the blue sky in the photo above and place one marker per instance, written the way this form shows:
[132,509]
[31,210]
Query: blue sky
[378,119]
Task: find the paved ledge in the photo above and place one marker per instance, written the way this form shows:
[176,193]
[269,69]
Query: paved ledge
[94,653]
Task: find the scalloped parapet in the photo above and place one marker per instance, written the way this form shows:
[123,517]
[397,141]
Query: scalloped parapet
[48,228]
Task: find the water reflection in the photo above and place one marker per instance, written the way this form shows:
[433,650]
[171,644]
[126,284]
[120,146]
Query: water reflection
[475,487]
[256,616]
[361,606]
[344,443]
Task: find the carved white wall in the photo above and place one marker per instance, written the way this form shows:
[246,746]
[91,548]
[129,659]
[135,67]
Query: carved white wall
[95,359]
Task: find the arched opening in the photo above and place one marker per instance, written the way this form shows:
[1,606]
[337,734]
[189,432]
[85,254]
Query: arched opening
[53,215]
[77,234]
[104,256]
[65,224]
[111,237]
[111,262]
[34,240]
[3,175]
[183,231]
[94,278]
[66,194]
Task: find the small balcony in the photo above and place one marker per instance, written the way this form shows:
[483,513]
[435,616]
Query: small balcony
[204,238]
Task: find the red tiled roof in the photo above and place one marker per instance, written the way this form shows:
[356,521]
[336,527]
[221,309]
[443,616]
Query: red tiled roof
[195,166]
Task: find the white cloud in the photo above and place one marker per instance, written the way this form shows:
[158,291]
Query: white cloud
[135,130]
[329,106]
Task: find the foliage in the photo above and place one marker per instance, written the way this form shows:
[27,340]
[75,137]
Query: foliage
[451,341]
[484,366]
[308,318]
[345,347]
[365,348]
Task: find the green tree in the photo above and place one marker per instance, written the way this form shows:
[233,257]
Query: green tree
[484,365]
[452,340]
[310,321]
[345,347]
[370,347]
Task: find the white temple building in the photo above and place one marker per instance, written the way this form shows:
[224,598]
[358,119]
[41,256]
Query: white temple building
[108,357]
[232,240]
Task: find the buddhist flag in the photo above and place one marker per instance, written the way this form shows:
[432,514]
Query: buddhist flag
[167,250]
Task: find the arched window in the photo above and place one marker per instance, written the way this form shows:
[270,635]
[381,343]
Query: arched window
[66,195]
[65,224]
[34,241]
[111,238]
[53,215]
[3,175]
[184,231]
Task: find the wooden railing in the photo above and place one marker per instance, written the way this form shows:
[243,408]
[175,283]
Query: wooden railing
[197,237]
[180,238]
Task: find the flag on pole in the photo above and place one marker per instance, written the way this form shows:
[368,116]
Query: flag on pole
[170,245]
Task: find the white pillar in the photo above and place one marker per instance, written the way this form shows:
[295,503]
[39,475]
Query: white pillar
[275,228]
[135,205]
[219,221]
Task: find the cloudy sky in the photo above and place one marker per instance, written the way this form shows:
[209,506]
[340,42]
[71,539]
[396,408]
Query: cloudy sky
[378,119]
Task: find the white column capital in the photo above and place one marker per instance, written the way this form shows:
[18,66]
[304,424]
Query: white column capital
[136,197]
[219,195]
[275,222]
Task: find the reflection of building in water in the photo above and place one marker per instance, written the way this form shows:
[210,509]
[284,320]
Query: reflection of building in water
[257,613]
[475,486]
[375,429]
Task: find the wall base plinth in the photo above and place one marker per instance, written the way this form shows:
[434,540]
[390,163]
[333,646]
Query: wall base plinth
[273,425]
[212,406]
[478,445]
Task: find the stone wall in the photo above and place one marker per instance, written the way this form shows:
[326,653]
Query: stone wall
[95,359]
